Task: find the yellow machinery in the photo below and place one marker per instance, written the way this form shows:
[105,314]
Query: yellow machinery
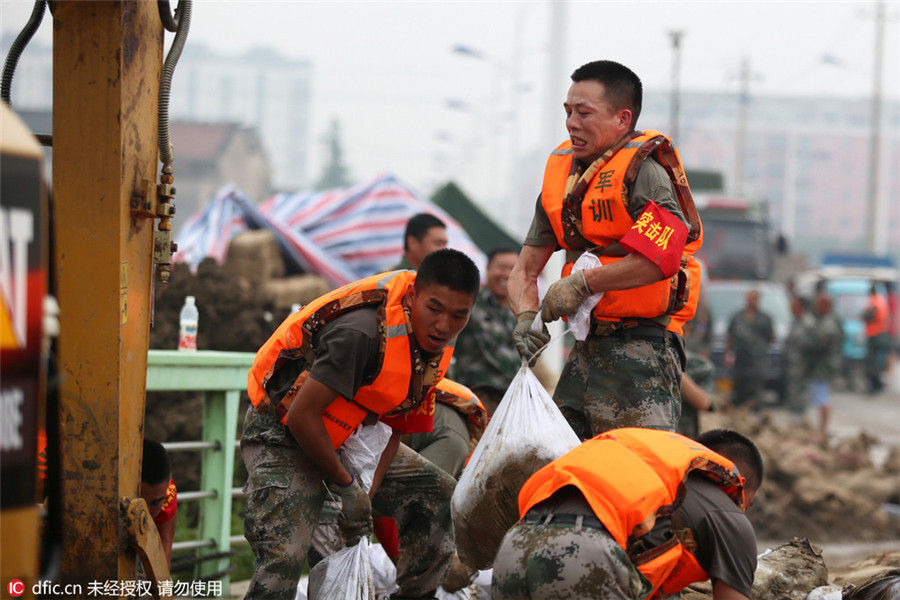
[111,237]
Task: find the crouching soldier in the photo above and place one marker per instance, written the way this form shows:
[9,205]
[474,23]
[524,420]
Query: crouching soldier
[634,513]
[368,351]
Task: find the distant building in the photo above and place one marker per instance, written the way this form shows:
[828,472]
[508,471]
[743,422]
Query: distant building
[808,157]
[207,156]
[210,155]
[259,89]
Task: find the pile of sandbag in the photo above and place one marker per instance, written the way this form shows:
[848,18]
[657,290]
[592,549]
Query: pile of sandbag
[825,494]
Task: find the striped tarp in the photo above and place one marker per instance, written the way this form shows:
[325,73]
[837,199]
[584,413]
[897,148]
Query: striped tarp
[341,235]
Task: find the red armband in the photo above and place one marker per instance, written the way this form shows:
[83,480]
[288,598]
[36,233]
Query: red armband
[658,235]
[418,420]
[170,506]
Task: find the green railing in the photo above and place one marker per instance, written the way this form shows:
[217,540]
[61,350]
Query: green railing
[220,378]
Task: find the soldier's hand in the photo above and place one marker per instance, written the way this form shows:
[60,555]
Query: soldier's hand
[529,343]
[355,519]
[564,297]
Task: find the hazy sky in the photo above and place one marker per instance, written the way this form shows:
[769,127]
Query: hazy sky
[386,70]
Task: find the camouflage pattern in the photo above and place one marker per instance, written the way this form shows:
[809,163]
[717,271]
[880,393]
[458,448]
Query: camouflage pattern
[703,372]
[826,341]
[797,348]
[285,495]
[610,382]
[554,560]
[750,343]
[484,356]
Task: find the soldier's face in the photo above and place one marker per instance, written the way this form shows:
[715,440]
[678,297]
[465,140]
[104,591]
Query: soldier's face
[498,271]
[434,239]
[438,314]
[593,124]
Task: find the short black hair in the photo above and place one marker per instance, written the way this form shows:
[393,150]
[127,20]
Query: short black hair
[738,449]
[155,466]
[501,250]
[418,226]
[451,268]
[623,87]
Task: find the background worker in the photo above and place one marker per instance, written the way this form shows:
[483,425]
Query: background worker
[424,234]
[876,317]
[622,195]
[609,529]
[376,355]
[485,358]
[825,356]
[158,490]
[796,358]
[750,332]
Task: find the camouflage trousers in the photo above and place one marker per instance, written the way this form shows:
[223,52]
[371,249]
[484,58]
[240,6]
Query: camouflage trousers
[617,381]
[563,561]
[285,494]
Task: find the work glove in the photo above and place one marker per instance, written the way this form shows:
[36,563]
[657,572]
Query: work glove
[564,297]
[529,343]
[355,519]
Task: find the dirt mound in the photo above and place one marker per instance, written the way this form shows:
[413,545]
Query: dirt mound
[831,494]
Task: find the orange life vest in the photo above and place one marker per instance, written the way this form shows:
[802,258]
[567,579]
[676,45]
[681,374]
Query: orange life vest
[604,219]
[399,385]
[641,479]
[877,323]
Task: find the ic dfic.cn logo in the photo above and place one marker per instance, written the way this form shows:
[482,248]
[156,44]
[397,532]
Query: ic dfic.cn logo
[16,587]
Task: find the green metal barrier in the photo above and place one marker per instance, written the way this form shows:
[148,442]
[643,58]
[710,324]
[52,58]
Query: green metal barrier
[220,377]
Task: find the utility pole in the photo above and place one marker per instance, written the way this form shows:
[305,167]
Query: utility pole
[676,73]
[875,135]
[744,76]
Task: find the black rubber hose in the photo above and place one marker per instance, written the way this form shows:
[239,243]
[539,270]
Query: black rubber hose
[165,15]
[12,59]
[166,153]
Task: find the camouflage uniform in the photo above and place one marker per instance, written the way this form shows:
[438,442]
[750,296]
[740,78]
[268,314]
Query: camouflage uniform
[621,380]
[285,496]
[555,560]
[485,358]
[825,352]
[796,362]
[702,371]
[750,343]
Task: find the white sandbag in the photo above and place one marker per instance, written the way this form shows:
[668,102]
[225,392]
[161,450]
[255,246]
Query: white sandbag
[525,433]
[361,451]
[345,575]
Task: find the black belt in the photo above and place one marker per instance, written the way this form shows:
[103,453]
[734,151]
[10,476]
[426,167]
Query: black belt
[591,521]
[640,332]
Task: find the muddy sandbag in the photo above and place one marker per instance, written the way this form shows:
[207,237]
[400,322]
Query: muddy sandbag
[526,432]
[789,572]
[861,571]
[885,586]
[255,255]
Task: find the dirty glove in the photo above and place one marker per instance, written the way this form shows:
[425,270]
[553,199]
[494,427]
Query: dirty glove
[564,297]
[355,519]
[529,343]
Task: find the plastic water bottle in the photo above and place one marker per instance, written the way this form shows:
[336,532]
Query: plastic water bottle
[187,336]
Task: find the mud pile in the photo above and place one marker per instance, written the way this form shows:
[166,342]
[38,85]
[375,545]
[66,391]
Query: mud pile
[835,494]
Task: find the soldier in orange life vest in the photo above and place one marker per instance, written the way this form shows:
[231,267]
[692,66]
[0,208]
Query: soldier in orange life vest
[634,513]
[620,194]
[371,350]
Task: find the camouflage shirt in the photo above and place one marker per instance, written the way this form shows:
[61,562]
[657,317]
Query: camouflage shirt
[484,354]
[825,350]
